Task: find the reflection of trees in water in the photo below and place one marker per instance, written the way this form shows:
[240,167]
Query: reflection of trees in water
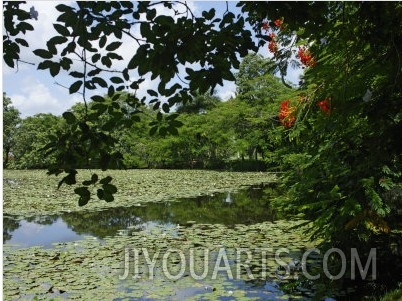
[43,219]
[9,225]
[247,206]
[241,207]
[230,208]
[103,223]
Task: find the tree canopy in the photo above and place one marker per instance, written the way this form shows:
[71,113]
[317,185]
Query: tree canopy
[11,118]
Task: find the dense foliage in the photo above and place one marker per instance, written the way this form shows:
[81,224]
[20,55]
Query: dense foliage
[213,134]
[336,136]
[11,118]
[343,156]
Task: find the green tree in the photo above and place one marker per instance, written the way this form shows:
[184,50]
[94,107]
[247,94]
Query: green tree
[91,33]
[253,66]
[11,119]
[256,83]
[340,147]
[259,93]
[31,137]
[135,143]
[202,142]
[199,104]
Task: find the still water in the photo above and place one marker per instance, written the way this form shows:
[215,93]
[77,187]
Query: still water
[248,206]
[242,207]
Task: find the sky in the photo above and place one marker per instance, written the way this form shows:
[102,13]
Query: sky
[35,91]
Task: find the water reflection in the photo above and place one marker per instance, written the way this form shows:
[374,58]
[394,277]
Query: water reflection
[248,206]
[35,234]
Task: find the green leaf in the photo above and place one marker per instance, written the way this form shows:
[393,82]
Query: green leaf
[68,179]
[152,93]
[75,87]
[83,200]
[61,30]
[173,130]
[108,197]
[94,72]
[94,178]
[102,41]
[100,108]
[22,42]
[176,123]
[65,63]
[166,108]
[106,61]
[114,56]
[63,8]
[108,126]
[151,14]
[9,61]
[156,105]
[106,180]
[24,26]
[69,49]
[125,74]
[113,46]
[76,74]
[145,29]
[100,193]
[172,116]
[209,15]
[43,53]
[54,69]
[163,131]
[69,117]
[109,188]
[84,194]
[164,20]
[132,63]
[95,57]
[116,80]
[86,183]
[100,81]
[110,91]
[57,40]
[97,98]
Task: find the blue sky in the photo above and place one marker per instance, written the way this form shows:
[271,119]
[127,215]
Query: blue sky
[35,91]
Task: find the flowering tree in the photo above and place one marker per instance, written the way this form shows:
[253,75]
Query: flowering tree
[342,151]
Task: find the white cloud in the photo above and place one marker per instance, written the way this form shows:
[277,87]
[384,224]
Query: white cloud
[33,91]
[43,27]
[35,97]
[227,91]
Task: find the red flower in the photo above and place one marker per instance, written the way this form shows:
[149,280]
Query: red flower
[265,25]
[286,116]
[325,106]
[305,57]
[272,45]
[278,22]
